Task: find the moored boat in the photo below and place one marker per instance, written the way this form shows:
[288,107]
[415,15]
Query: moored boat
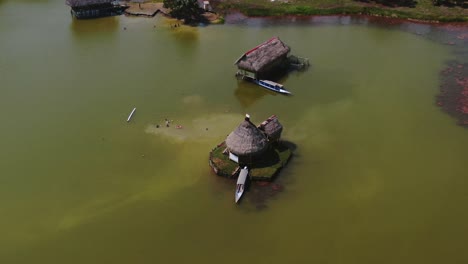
[241,183]
[273,86]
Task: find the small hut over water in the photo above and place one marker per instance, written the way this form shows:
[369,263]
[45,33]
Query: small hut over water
[272,128]
[94,8]
[263,58]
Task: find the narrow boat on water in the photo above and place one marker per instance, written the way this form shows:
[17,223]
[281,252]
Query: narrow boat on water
[273,86]
[241,183]
[131,114]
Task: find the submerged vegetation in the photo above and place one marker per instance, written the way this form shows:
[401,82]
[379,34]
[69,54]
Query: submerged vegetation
[420,10]
[453,96]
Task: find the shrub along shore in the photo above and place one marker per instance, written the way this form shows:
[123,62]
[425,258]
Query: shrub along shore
[423,10]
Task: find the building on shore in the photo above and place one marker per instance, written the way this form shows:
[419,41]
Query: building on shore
[95,8]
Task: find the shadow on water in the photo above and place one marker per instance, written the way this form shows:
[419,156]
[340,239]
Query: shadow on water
[93,27]
[248,93]
[292,146]
[258,195]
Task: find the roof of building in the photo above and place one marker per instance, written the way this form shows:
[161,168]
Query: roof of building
[78,3]
[272,127]
[263,55]
[246,140]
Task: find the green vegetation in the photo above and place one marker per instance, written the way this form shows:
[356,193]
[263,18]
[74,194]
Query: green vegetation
[265,169]
[222,163]
[184,9]
[423,9]
[274,160]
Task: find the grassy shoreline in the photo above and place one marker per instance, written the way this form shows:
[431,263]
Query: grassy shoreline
[424,10]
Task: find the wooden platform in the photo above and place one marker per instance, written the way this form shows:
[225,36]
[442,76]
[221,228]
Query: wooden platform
[147,9]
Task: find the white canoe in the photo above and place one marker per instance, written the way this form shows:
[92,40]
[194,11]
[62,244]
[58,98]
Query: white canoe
[241,183]
[131,114]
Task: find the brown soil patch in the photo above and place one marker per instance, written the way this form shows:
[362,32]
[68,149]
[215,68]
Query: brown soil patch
[147,9]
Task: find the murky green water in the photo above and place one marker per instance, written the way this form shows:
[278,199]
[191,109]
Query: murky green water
[379,174]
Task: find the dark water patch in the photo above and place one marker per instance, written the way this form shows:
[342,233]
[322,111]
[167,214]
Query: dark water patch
[94,27]
[423,28]
[260,193]
[453,96]
[248,93]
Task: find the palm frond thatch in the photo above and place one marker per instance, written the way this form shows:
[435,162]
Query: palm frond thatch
[272,128]
[79,3]
[265,54]
[246,140]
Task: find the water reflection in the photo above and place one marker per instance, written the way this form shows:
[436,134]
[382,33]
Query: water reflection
[238,18]
[248,93]
[186,37]
[80,27]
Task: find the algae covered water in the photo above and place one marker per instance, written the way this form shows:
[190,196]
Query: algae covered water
[378,175]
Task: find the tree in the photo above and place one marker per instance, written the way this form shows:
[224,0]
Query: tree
[393,3]
[462,3]
[184,9]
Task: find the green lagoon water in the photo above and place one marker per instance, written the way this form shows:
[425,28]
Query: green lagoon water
[379,173]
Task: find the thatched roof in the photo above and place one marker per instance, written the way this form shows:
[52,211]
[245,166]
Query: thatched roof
[260,57]
[272,127]
[246,140]
[78,3]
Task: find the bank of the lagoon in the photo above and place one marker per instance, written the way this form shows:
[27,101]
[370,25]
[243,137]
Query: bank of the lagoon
[424,10]
[378,173]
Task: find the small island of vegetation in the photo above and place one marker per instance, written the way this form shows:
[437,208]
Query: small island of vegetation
[259,148]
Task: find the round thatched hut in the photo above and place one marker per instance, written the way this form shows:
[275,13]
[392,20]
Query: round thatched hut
[246,143]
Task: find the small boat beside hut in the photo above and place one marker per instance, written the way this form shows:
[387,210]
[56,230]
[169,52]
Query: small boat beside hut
[271,85]
[83,9]
[241,183]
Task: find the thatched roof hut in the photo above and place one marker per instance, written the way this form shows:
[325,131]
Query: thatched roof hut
[81,3]
[264,56]
[247,140]
[272,128]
